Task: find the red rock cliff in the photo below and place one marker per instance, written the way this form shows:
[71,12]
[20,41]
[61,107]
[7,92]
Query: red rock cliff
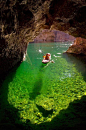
[53,36]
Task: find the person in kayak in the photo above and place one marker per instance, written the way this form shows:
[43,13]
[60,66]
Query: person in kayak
[47,56]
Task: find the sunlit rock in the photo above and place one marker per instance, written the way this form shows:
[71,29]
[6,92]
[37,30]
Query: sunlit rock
[79,46]
[53,36]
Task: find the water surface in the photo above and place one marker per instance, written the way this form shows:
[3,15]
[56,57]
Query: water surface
[40,91]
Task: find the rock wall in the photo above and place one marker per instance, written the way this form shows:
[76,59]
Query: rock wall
[53,36]
[12,50]
[22,20]
[79,46]
[32,16]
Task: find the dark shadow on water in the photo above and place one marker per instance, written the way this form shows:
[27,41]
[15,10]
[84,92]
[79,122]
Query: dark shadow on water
[44,112]
[36,89]
[38,84]
[9,116]
[79,62]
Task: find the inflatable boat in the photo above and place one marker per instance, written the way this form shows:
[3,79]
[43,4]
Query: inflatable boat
[45,61]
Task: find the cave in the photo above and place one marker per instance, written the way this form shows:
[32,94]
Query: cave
[35,95]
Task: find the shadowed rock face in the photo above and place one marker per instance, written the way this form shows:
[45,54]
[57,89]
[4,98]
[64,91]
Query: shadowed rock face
[22,20]
[33,16]
[12,49]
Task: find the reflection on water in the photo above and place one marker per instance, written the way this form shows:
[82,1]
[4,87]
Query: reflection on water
[40,91]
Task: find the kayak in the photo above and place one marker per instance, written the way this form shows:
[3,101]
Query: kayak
[45,61]
[47,58]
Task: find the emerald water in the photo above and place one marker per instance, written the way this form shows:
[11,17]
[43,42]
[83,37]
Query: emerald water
[40,91]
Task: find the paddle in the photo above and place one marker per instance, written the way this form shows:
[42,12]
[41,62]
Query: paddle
[41,52]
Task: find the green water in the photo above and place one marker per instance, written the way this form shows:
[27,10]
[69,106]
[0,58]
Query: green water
[40,91]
